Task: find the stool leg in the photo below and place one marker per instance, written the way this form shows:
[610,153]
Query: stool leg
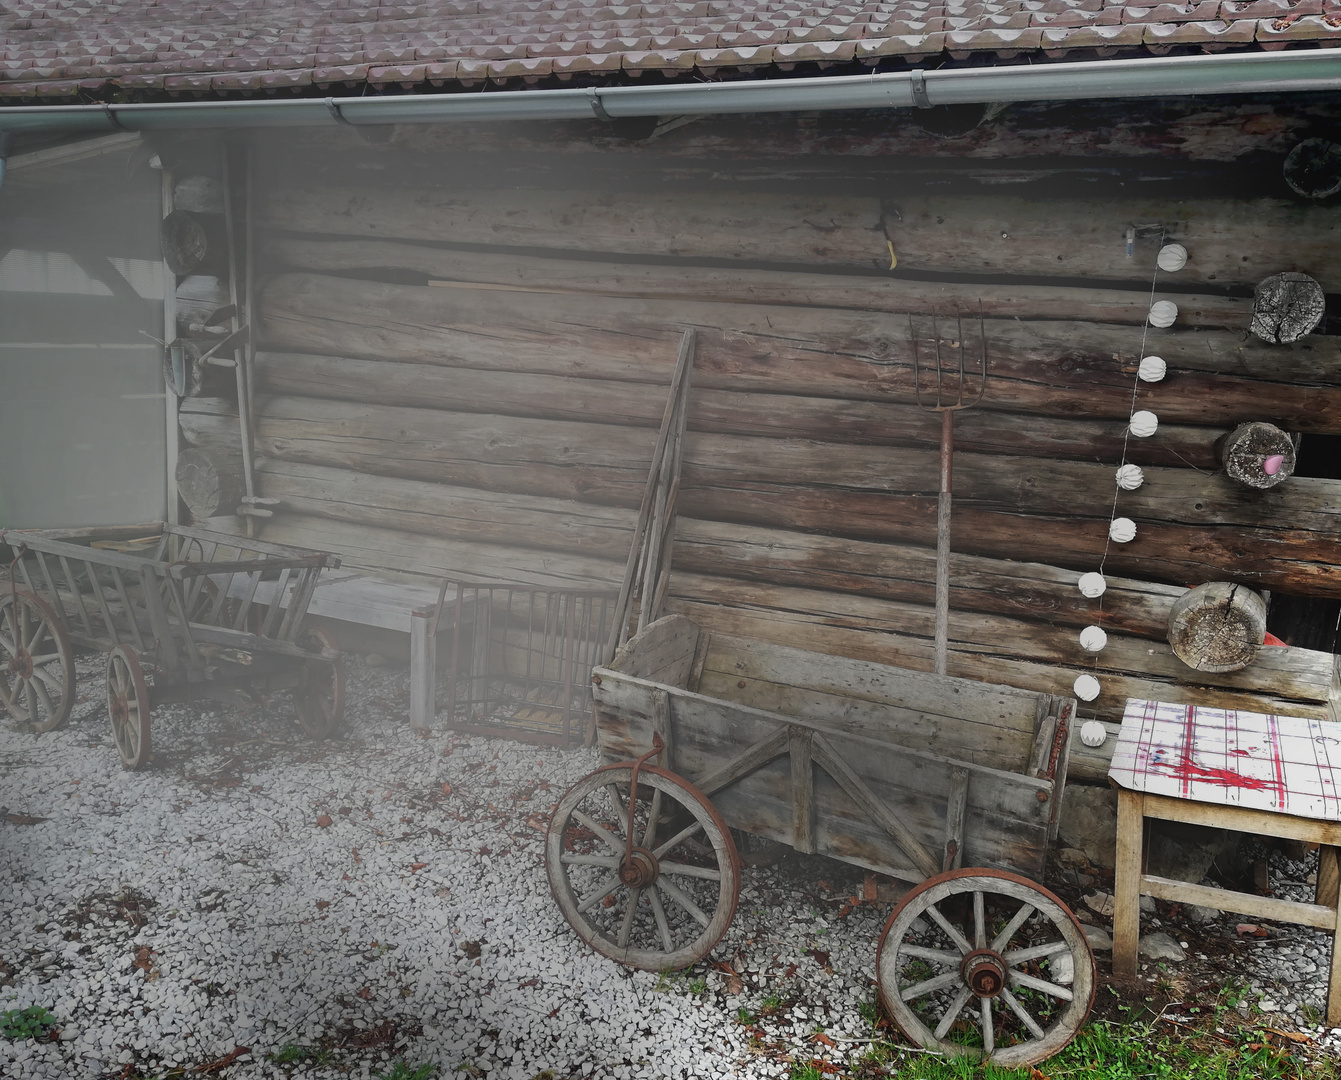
[1327,894]
[423,671]
[1127,883]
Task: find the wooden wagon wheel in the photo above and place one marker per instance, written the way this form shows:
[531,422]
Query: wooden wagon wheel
[319,697]
[128,705]
[1002,969]
[668,903]
[36,663]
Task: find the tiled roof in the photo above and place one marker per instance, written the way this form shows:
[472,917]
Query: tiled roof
[88,49]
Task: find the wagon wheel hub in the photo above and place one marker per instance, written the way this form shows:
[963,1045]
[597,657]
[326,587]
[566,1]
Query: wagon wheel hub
[984,972]
[22,664]
[119,706]
[638,869]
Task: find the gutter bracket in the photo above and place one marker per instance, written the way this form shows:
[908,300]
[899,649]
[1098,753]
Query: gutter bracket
[334,110]
[598,107]
[112,117]
[917,82]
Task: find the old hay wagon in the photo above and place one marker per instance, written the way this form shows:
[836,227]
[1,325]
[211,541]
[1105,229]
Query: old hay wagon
[910,774]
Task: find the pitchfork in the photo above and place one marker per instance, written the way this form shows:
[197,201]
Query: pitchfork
[954,389]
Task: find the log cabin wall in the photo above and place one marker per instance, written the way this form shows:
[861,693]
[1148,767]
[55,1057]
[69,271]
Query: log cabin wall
[465,339]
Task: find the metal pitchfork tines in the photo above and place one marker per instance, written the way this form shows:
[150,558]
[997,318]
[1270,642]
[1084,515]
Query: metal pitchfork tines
[953,388]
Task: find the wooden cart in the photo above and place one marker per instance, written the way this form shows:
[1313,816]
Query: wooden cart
[179,603]
[906,773]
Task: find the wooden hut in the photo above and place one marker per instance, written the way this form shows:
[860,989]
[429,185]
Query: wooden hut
[461,335]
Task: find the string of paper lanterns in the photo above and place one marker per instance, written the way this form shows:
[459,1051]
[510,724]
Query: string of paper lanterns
[1141,424]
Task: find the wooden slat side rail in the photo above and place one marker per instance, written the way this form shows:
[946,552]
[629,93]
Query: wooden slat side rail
[1266,907]
[753,757]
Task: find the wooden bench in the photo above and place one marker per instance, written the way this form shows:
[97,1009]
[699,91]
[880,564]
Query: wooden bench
[975,771]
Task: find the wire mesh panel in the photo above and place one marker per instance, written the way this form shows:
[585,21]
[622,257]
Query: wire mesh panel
[520,658]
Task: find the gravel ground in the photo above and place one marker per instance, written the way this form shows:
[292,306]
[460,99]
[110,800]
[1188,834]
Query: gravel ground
[383,896]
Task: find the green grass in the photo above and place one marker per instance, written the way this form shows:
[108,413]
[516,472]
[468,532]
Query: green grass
[34,1022]
[400,1070]
[295,1054]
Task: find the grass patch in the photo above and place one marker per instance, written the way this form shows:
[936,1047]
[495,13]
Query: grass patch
[34,1022]
[402,1070]
[296,1054]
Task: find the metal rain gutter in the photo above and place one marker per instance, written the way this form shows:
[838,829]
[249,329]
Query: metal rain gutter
[1180,76]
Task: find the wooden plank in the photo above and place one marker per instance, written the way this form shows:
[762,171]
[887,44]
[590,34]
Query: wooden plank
[660,653]
[1328,890]
[1185,892]
[800,743]
[1128,869]
[1261,822]
[662,725]
[753,757]
[956,804]
[728,411]
[992,234]
[850,782]
[454,268]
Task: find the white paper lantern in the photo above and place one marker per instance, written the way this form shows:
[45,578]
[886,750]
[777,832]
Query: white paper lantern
[1093,638]
[1093,733]
[1130,477]
[1086,687]
[1144,423]
[1163,313]
[1152,369]
[1121,530]
[1172,258]
[1092,585]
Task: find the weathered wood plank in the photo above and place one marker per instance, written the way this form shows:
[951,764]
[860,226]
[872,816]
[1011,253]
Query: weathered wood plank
[877,423]
[956,804]
[662,652]
[800,745]
[452,267]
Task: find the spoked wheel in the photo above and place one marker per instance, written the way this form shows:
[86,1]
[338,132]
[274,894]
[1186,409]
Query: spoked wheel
[128,705]
[985,964]
[36,664]
[319,697]
[665,904]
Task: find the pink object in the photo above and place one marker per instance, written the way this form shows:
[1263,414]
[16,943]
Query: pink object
[1271,466]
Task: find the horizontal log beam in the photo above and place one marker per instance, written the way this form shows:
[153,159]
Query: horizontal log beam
[1066,369]
[453,268]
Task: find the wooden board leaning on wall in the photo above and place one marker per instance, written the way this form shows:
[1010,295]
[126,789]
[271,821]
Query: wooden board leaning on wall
[1232,241]
[1053,368]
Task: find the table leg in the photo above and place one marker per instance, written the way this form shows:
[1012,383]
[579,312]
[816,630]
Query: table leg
[1327,893]
[1127,883]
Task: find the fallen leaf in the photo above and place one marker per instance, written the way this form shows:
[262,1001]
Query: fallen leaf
[821,958]
[324,822]
[444,891]
[23,819]
[844,911]
[322,905]
[1252,930]
[820,1037]
[446,788]
[415,867]
[528,982]
[791,970]
[485,851]
[1291,1036]
[824,885]
[357,857]
[366,993]
[472,948]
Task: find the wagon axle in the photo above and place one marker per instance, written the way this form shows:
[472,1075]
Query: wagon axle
[22,664]
[984,972]
[638,869]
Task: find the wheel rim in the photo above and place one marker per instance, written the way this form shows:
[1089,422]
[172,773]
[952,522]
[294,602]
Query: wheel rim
[128,706]
[670,903]
[36,664]
[319,698]
[974,963]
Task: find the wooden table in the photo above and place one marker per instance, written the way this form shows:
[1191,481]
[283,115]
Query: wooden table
[1254,773]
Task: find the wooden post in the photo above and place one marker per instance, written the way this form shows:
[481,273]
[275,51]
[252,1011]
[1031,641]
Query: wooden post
[1127,883]
[800,741]
[1257,455]
[423,670]
[1217,627]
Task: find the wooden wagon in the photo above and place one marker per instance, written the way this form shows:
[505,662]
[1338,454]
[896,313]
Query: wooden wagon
[180,603]
[906,773]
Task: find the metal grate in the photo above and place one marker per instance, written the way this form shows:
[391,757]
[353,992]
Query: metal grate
[520,658]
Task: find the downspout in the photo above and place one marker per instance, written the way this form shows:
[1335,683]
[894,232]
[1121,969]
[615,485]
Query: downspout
[5,139]
[1178,76]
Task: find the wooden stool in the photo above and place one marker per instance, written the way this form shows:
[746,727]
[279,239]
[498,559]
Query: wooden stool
[1267,775]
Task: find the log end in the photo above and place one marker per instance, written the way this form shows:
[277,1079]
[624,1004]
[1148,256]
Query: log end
[1287,307]
[1217,627]
[1258,455]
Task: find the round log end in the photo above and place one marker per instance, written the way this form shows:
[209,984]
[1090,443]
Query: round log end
[1313,168]
[209,481]
[1258,455]
[184,243]
[1217,627]
[1286,307]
